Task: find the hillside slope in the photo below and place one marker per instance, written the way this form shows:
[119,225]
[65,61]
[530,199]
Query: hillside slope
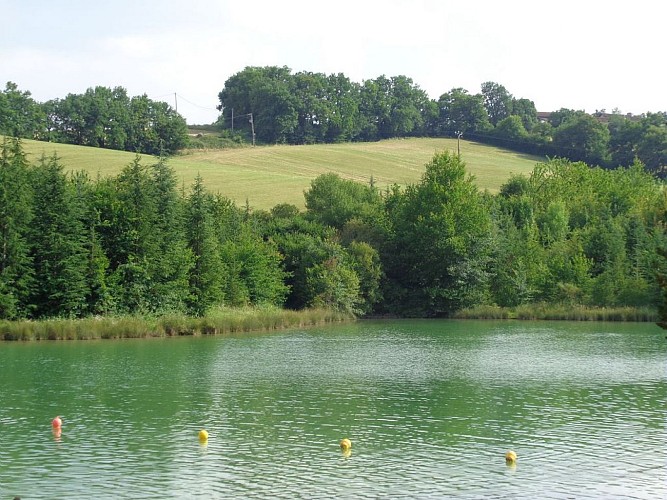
[268,175]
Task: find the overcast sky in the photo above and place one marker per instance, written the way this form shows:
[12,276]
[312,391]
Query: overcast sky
[581,54]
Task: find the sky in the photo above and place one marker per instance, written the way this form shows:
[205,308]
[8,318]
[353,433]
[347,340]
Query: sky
[585,54]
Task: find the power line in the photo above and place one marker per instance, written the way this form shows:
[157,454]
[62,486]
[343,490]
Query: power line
[195,105]
[176,96]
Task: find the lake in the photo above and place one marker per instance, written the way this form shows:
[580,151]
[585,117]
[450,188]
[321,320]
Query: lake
[431,407]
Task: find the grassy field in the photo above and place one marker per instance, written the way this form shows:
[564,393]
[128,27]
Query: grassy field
[268,175]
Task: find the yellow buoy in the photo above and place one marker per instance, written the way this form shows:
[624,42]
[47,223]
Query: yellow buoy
[510,457]
[345,444]
[203,435]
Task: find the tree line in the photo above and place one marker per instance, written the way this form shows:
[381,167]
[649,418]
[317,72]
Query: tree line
[305,108]
[72,246]
[274,105]
[100,117]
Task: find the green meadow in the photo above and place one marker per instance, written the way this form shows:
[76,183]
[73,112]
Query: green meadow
[265,176]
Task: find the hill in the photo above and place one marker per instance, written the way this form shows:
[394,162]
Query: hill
[268,175]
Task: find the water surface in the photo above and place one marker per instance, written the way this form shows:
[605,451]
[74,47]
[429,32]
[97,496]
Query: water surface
[430,407]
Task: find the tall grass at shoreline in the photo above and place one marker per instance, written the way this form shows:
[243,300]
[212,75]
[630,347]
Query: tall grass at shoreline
[223,321]
[227,321]
[563,312]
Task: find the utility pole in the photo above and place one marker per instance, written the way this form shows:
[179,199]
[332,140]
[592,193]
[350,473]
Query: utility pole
[176,102]
[232,121]
[252,124]
[458,142]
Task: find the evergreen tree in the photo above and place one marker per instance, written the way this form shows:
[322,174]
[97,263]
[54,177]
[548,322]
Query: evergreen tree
[58,236]
[170,264]
[99,299]
[130,220]
[16,272]
[207,274]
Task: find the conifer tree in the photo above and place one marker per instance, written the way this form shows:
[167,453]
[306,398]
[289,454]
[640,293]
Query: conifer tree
[170,265]
[206,276]
[131,215]
[58,236]
[16,273]
[99,299]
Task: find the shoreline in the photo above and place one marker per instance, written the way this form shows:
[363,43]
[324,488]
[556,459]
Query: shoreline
[246,320]
[221,322]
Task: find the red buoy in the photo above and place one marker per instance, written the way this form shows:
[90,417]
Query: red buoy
[57,423]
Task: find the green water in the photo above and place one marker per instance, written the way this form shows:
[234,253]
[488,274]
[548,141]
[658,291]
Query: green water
[431,408]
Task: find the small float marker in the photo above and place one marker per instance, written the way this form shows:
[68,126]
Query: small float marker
[57,423]
[345,444]
[510,457]
[203,435]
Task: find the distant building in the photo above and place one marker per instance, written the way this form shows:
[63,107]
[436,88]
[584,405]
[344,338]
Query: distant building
[604,117]
[543,116]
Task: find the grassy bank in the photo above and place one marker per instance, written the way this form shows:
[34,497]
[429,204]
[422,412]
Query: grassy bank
[220,322]
[226,321]
[561,312]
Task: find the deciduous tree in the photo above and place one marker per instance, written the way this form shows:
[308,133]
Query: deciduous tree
[441,240]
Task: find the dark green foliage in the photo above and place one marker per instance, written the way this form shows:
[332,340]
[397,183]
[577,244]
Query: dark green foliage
[460,112]
[109,118]
[142,233]
[20,115]
[440,245]
[99,299]
[133,214]
[265,94]
[301,252]
[365,261]
[318,270]
[584,138]
[597,233]
[305,107]
[16,216]
[497,101]
[525,110]
[568,234]
[254,270]
[511,129]
[661,276]
[172,260]
[333,201]
[58,244]
[207,274]
[333,284]
[652,149]
[273,105]
[624,135]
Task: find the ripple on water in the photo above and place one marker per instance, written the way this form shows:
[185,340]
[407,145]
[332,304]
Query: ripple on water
[430,411]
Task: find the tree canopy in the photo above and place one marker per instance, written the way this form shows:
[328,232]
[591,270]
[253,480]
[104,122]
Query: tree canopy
[567,234]
[271,104]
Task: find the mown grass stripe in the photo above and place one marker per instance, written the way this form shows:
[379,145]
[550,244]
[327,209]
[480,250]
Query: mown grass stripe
[268,175]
